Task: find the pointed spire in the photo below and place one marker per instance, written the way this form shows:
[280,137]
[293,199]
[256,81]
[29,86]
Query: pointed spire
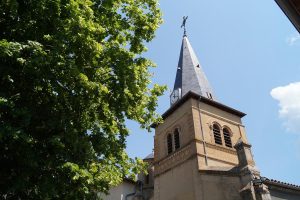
[190,76]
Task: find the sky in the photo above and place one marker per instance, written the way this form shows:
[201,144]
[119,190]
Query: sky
[249,52]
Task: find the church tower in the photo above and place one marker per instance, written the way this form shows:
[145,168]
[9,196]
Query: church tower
[200,150]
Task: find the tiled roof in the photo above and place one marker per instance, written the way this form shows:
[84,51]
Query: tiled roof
[150,156]
[280,183]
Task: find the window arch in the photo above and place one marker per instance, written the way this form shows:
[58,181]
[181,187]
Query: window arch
[227,137]
[217,134]
[176,139]
[169,143]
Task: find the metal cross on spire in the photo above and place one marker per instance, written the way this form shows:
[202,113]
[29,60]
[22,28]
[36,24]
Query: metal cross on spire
[183,24]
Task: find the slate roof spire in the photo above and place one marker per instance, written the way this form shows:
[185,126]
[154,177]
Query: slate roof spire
[190,75]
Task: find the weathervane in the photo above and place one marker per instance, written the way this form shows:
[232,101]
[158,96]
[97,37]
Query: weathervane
[183,24]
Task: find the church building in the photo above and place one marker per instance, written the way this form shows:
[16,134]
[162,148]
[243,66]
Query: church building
[201,151]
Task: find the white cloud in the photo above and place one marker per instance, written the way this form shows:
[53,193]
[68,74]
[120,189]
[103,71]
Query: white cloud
[293,39]
[289,103]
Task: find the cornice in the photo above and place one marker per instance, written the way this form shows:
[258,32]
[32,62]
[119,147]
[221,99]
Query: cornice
[218,147]
[173,160]
[192,95]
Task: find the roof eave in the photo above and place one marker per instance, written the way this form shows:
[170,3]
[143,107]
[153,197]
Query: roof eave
[191,94]
[290,11]
[281,184]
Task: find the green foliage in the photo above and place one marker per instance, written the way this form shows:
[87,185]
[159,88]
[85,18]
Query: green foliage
[71,73]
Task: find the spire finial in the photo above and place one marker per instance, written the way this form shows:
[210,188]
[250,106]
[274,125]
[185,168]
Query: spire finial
[183,25]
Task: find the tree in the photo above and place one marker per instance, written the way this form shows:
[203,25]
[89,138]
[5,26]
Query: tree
[71,73]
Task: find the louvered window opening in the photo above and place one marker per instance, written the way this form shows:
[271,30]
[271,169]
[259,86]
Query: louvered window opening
[217,134]
[170,146]
[176,139]
[227,138]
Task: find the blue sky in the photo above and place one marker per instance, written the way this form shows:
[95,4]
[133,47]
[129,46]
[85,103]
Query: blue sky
[247,49]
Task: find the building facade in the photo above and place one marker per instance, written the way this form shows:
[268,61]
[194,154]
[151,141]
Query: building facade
[201,151]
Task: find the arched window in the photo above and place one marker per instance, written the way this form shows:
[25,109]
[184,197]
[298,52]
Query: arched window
[227,138]
[217,134]
[170,145]
[176,139]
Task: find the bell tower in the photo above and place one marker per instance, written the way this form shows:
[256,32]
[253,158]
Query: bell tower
[194,148]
